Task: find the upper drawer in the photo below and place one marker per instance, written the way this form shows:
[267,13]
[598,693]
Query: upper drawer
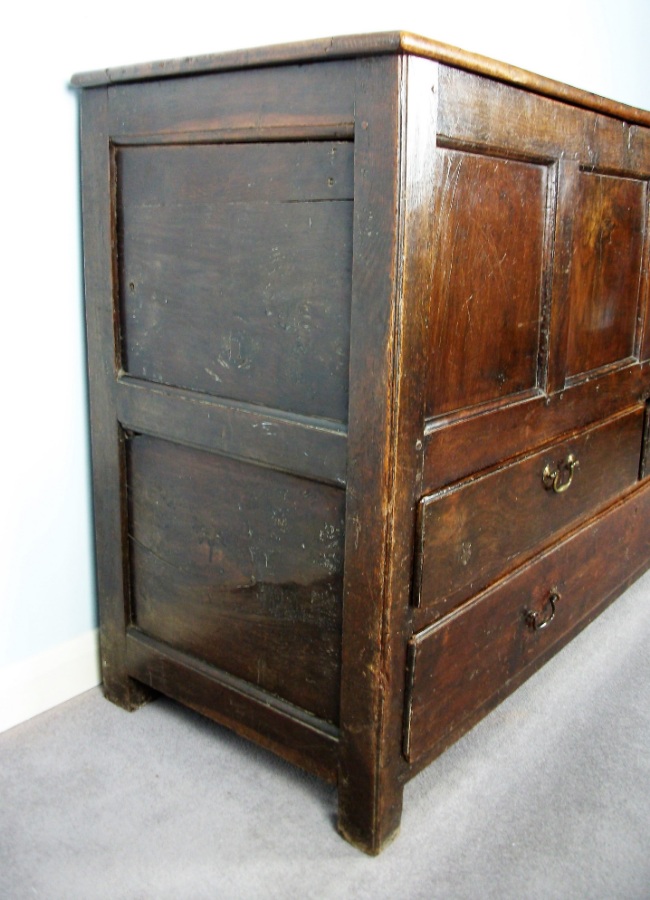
[472,533]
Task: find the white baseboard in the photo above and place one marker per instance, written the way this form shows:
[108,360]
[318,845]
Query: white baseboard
[34,685]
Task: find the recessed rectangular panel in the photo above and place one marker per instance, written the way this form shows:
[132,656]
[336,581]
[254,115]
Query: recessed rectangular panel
[607,246]
[488,273]
[239,566]
[235,270]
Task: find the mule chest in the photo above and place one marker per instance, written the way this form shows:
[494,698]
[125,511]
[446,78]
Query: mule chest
[369,355]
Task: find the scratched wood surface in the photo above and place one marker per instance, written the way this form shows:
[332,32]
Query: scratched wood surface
[486,301]
[352,47]
[605,271]
[471,535]
[459,664]
[235,270]
[492,114]
[321,296]
[370,796]
[292,99]
[590,226]
[239,566]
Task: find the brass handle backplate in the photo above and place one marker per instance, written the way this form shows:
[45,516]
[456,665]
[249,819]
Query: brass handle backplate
[559,478]
[539,620]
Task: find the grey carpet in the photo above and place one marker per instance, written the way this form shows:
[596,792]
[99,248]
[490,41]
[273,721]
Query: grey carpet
[548,797]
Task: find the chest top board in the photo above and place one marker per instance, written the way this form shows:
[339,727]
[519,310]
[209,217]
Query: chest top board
[369,360]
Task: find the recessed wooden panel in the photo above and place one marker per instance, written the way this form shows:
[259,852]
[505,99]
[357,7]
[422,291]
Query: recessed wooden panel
[486,301]
[235,270]
[607,246]
[239,566]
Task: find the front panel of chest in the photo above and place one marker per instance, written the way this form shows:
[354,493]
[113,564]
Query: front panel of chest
[538,311]
[534,392]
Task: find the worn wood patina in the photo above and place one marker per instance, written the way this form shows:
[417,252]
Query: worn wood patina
[369,360]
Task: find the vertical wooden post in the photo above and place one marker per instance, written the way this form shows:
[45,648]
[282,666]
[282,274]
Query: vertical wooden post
[391,279]
[106,435]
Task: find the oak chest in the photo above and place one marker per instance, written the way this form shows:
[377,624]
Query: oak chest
[369,354]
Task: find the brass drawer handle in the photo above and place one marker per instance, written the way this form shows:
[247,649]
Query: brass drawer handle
[556,477]
[535,620]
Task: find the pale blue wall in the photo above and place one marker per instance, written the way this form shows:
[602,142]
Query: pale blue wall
[46,582]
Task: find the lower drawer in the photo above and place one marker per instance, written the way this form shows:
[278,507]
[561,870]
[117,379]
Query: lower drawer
[461,666]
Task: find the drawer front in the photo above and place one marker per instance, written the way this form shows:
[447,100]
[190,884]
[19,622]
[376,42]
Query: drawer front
[460,667]
[472,534]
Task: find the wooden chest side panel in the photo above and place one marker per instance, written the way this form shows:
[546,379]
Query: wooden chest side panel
[289,97]
[280,726]
[462,664]
[240,567]
[235,270]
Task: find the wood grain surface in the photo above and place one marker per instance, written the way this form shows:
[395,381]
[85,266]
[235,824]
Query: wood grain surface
[329,285]
[479,530]
[235,271]
[459,664]
[605,271]
[486,302]
[240,567]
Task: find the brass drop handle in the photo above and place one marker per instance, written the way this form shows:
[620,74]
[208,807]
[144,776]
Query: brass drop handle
[556,478]
[536,620]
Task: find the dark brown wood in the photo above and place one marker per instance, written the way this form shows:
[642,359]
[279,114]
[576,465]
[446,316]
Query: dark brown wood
[354,46]
[484,113]
[600,603]
[206,174]
[369,805]
[418,223]
[329,285]
[315,448]
[486,304]
[238,284]
[456,449]
[244,134]
[473,533]
[288,731]
[605,271]
[378,582]
[644,305]
[289,96]
[644,468]
[556,345]
[460,663]
[240,567]
[329,48]
[106,435]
